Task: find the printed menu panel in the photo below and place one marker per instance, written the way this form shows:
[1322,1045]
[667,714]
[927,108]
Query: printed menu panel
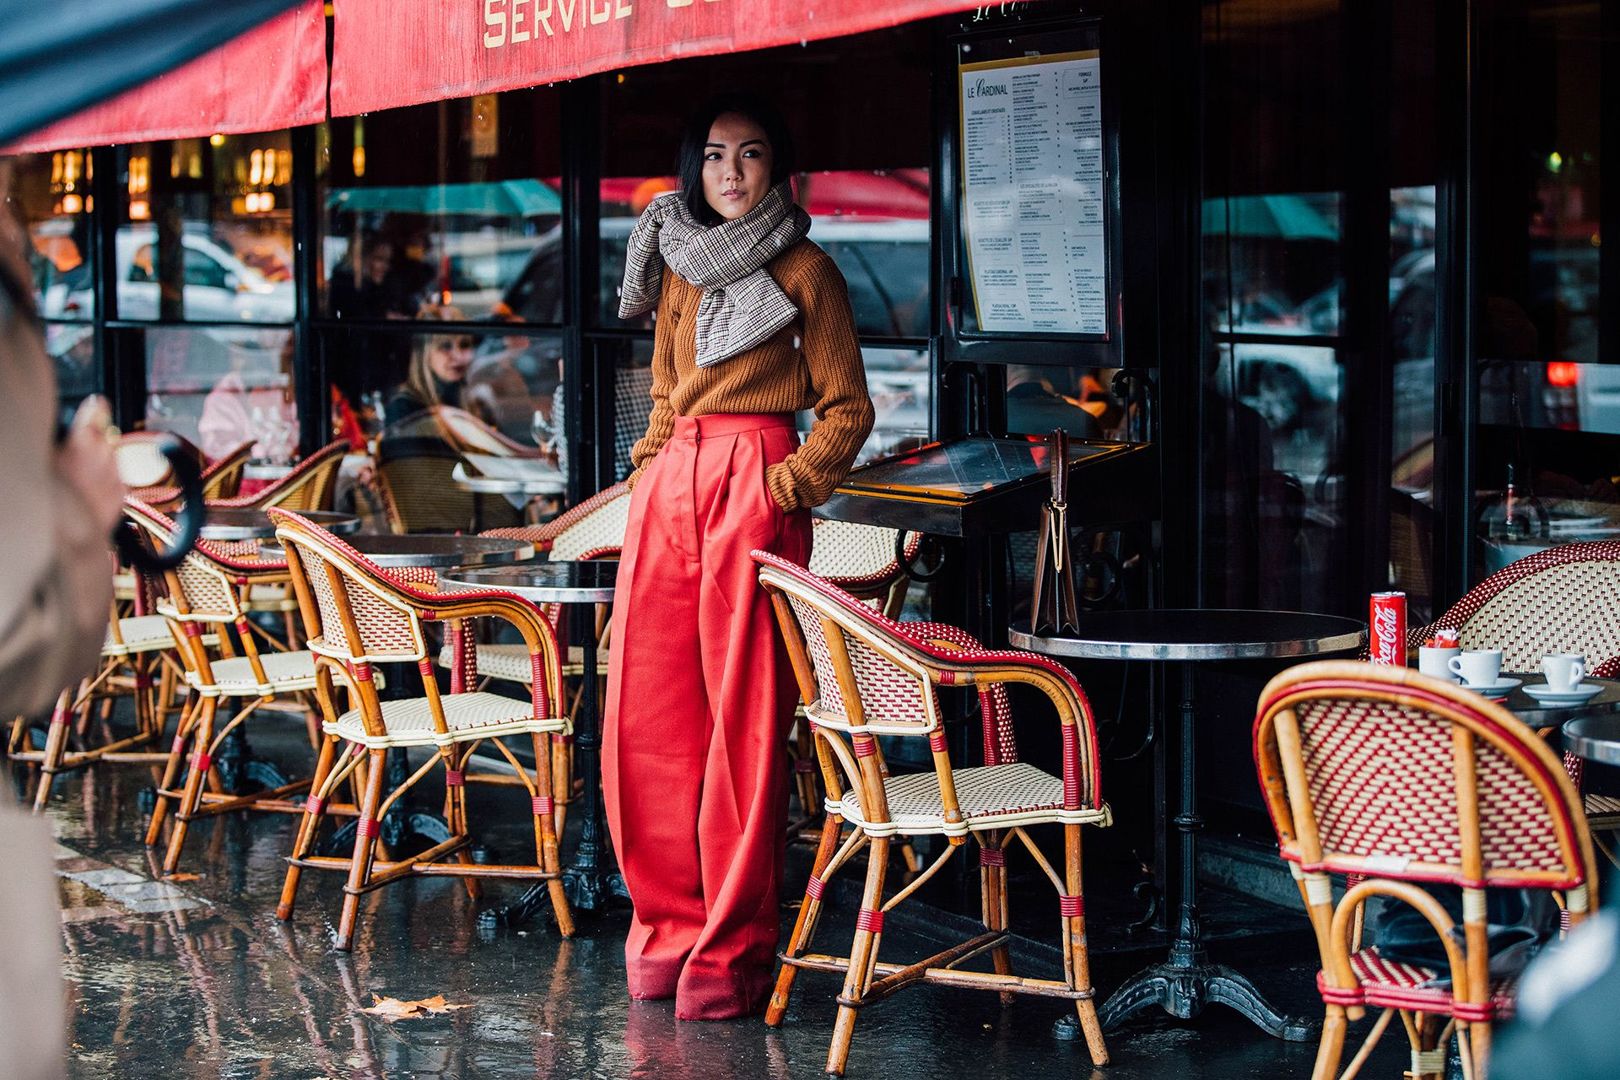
[1032,200]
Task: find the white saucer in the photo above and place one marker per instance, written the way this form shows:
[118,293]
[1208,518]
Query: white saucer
[1542,692]
[1500,688]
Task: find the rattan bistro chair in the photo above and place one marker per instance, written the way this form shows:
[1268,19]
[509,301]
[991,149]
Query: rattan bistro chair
[1563,599]
[205,596]
[310,486]
[136,644]
[863,675]
[1391,777]
[357,614]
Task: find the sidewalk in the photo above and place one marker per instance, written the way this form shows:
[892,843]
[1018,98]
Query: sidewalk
[197,978]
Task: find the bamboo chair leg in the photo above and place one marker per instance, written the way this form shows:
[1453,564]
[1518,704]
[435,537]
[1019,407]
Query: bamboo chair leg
[1331,1048]
[993,907]
[1478,1037]
[455,798]
[309,827]
[196,776]
[562,778]
[547,849]
[19,731]
[862,956]
[171,769]
[1079,954]
[365,842]
[55,743]
[804,927]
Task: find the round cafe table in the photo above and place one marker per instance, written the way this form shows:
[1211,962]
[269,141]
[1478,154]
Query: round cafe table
[1544,714]
[1187,981]
[438,551]
[588,881]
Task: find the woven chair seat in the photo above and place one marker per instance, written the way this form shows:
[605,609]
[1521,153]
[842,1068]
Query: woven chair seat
[1392,985]
[1602,812]
[288,672]
[469,717]
[991,797]
[511,662]
[142,633]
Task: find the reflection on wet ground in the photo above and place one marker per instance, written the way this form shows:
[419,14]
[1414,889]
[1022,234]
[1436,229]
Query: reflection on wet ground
[195,978]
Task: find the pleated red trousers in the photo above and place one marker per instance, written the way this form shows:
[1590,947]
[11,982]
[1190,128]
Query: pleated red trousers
[700,695]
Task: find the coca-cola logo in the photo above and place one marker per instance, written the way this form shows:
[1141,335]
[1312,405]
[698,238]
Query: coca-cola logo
[1386,627]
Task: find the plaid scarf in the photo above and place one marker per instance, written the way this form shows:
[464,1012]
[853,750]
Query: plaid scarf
[742,305]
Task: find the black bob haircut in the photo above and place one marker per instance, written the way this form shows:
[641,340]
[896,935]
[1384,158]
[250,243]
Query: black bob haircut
[689,162]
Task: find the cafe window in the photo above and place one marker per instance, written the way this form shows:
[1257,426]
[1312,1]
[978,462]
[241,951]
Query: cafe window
[865,184]
[1545,348]
[221,387]
[50,198]
[205,230]
[1272,402]
[450,204]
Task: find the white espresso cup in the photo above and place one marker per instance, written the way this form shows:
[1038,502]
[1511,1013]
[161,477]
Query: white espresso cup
[1435,661]
[1477,667]
[1564,671]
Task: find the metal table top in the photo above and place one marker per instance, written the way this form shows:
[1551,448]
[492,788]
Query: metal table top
[251,523]
[1191,634]
[1531,711]
[1595,738]
[540,483]
[439,549]
[586,582]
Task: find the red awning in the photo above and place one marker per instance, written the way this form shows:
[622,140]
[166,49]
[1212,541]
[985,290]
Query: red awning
[273,76]
[386,54]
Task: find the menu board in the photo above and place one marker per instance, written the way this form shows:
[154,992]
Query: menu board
[1033,193]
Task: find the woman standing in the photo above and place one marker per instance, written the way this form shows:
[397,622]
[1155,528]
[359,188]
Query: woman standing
[753,324]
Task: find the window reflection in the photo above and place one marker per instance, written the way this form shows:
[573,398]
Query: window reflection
[221,387]
[477,224]
[50,196]
[205,230]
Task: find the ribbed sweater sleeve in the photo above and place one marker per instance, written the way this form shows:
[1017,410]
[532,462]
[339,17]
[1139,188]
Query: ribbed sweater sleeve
[843,407]
[661,421]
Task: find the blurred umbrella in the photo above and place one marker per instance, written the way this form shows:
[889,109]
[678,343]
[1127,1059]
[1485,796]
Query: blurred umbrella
[57,58]
[503,198]
[1280,217]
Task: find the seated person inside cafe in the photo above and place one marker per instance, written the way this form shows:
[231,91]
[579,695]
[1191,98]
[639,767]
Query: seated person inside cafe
[438,369]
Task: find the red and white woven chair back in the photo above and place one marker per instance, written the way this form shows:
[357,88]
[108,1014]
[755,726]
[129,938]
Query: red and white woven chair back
[207,585]
[1386,756]
[310,486]
[595,534]
[387,628]
[895,692]
[1564,599]
[852,555]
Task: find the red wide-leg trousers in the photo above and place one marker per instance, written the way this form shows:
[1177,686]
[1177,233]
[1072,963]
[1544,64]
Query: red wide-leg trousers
[699,699]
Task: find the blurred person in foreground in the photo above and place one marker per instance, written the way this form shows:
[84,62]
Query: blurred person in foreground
[62,502]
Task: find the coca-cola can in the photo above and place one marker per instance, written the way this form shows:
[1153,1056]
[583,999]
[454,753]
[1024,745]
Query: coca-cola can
[1387,625]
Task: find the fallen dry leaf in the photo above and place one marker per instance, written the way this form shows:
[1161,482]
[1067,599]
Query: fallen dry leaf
[390,1009]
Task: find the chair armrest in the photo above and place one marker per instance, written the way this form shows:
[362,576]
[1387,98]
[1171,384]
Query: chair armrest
[967,665]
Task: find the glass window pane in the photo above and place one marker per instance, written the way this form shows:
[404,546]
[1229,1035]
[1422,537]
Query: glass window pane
[1547,382]
[50,196]
[205,229]
[476,225]
[222,387]
[1274,527]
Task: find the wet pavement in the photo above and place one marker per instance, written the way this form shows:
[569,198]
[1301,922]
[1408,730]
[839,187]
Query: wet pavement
[196,978]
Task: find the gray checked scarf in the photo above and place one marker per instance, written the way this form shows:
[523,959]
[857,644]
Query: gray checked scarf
[742,304]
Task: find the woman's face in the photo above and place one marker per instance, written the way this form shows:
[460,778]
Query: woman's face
[450,357]
[736,166]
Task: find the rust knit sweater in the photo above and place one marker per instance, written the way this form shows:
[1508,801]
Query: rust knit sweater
[812,363]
